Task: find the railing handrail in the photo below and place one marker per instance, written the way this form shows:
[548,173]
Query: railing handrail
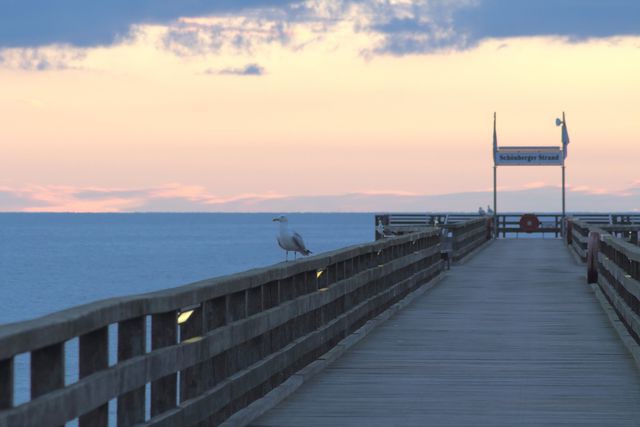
[613,265]
[33,334]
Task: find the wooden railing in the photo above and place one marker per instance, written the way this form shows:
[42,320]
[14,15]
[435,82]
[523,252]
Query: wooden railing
[469,235]
[510,224]
[619,280]
[617,268]
[577,237]
[458,237]
[507,224]
[216,345]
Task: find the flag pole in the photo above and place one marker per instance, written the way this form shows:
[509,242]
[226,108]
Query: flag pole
[495,180]
[564,156]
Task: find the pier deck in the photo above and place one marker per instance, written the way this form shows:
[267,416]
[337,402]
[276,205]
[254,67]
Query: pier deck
[512,337]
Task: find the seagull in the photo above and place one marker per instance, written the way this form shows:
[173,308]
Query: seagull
[481,211]
[489,210]
[289,240]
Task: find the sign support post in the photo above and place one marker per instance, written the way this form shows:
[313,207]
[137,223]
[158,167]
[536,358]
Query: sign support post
[563,201]
[530,156]
[495,201]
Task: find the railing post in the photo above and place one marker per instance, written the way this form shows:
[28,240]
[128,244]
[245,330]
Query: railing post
[236,306]
[6,383]
[592,257]
[94,357]
[47,369]
[131,343]
[504,226]
[163,334]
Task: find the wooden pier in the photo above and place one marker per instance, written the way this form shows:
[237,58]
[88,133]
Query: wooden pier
[513,337]
[374,334]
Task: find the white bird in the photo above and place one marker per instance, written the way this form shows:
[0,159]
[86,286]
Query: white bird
[481,211]
[289,240]
[489,210]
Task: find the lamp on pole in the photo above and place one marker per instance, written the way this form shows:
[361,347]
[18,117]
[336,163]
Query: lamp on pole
[565,142]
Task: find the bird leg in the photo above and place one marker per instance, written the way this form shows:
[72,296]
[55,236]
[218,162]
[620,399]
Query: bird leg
[286,256]
[295,256]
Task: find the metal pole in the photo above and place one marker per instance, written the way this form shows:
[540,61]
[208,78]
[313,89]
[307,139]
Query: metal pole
[563,199]
[495,201]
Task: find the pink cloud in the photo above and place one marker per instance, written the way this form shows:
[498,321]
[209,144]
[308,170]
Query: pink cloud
[202,195]
[38,198]
[536,184]
[601,190]
[387,193]
[193,198]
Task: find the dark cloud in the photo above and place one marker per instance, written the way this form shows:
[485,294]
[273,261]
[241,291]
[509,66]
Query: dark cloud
[461,25]
[574,19]
[84,23]
[416,27]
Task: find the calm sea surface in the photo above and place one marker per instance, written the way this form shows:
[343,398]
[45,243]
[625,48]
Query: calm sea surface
[49,262]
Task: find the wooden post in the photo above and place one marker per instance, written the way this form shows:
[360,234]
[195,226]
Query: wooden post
[593,247]
[94,357]
[236,306]
[254,300]
[132,336]
[6,383]
[213,313]
[163,334]
[47,369]
[504,226]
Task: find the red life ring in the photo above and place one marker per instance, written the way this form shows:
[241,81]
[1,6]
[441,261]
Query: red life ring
[529,223]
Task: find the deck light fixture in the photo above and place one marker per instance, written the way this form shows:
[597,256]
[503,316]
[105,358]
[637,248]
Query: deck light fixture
[184,316]
[185,313]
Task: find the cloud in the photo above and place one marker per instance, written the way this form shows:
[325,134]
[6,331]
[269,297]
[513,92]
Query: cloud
[12,200]
[424,26]
[247,70]
[405,26]
[42,59]
[574,19]
[30,23]
[185,198]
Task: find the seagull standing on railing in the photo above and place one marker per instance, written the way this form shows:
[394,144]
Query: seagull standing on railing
[489,210]
[481,211]
[289,240]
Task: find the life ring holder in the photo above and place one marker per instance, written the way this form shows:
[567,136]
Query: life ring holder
[529,223]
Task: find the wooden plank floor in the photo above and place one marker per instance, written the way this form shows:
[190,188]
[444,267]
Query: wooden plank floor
[513,337]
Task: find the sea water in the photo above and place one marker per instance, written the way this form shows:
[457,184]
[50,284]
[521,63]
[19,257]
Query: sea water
[49,262]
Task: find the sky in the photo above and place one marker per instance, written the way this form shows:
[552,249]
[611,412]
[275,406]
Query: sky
[244,105]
